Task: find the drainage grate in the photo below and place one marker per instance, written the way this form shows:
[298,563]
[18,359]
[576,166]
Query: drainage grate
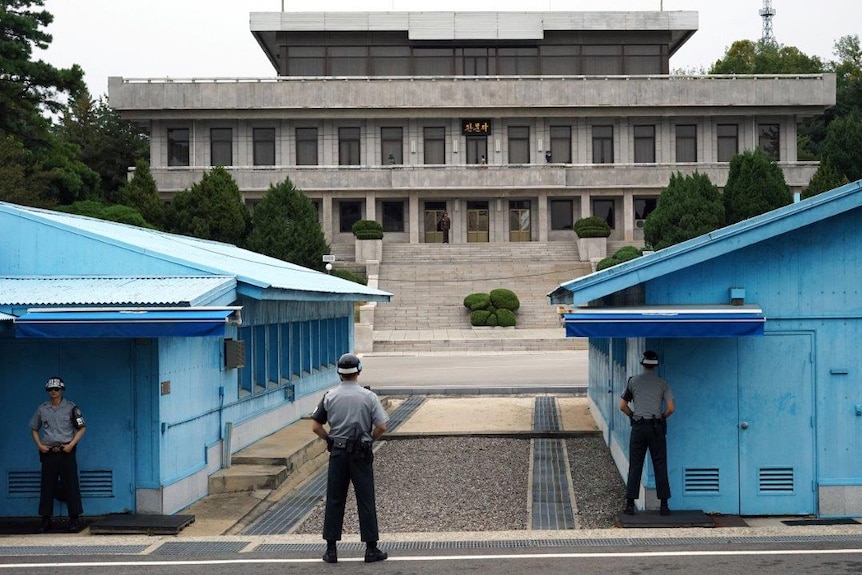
[32,550]
[545,416]
[199,548]
[551,497]
[403,412]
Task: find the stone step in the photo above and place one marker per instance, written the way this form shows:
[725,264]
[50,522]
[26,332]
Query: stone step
[502,344]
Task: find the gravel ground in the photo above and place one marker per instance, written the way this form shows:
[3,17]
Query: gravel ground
[475,484]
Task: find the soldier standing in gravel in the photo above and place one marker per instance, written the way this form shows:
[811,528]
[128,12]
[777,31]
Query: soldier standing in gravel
[653,404]
[356,419]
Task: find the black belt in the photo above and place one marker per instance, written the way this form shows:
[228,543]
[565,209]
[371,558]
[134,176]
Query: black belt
[644,420]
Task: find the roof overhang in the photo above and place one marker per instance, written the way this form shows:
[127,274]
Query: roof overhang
[126,323]
[666,321]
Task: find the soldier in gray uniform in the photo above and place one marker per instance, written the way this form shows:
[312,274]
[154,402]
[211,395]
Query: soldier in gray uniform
[653,404]
[57,427]
[356,419]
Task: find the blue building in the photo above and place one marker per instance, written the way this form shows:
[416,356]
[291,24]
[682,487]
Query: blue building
[162,340]
[757,325]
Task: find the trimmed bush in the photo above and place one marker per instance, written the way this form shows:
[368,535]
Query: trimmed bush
[505,318]
[492,320]
[367,230]
[477,301]
[592,227]
[480,317]
[623,254]
[505,299]
[350,276]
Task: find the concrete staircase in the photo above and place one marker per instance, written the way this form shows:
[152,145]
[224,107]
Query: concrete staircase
[430,282]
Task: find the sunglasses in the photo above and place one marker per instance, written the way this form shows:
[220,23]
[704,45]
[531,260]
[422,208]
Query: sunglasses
[54,389]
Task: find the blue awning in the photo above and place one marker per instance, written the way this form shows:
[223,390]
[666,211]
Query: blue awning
[129,323]
[665,321]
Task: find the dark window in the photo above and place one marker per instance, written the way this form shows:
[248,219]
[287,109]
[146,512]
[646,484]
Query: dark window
[178,147]
[349,214]
[603,144]
[393,216]
[348,146]
[604,208]
[306,146]
[561,144]
[519,145]
[643,207]
[392,146]
[348,61]
[560,60]
[474,61]
[562,215]
[264,146]
[728,141]
[477,149]
[644,138]
[433,61]
[390,60]
[306,61]
[602,60]
[641,60]
[767,140]
[517,61]
[221,147]
[686,143]
[435,145]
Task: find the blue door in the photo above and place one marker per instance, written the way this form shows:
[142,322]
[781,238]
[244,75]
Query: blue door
[776,433]
[98,377]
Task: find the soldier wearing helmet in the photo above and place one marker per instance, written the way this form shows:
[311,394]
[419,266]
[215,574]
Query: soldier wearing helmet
[56,427]
[356,419]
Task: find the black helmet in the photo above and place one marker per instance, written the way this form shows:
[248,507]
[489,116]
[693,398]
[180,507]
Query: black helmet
[349,363]
[650,358]
[55,382]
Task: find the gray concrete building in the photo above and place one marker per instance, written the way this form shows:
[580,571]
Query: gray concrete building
[516,123]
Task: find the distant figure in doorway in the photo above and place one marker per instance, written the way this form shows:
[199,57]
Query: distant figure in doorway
[56,427]
[482,160]
[444,225]
[653,404]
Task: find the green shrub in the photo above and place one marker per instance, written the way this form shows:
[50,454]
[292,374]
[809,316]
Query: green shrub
[608,262]
[350,276]
[480,317]
[505,318]
[367,230]
[477,301]
[592,227]
[623,254]
[492,320]
[505,299]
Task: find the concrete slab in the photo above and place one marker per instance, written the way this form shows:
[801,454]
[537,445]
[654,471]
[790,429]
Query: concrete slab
[575,414]
[471,414]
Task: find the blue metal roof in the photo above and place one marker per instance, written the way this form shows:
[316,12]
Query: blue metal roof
[708,246]
[113,291]
[666,321]
[267,277]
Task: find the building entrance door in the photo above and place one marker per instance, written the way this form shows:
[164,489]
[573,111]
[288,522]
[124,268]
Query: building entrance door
[433,212]
[477,222]
[477,149]
[776,430]
[519,221]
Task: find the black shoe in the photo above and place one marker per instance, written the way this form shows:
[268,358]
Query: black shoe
[373,554]
[331,555]
[664,509]
[630,509]
[74,525]
[45,525]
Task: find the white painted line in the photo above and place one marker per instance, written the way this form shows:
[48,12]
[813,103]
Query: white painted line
[415,558]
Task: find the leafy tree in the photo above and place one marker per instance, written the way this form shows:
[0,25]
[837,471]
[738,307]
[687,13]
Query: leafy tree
[748,57]
[15,166]
[755,185]
[286,227]
[826,178]
[688,207]
[843,147]
[141,193]
[113,213]
[212,209]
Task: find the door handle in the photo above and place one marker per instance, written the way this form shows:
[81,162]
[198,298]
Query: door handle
[743,425]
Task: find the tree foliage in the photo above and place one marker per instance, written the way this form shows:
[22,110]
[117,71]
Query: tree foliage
[748,57]
[843,147]
[755,185]
[286,227]
[826,178]
[212,209]
[688,207]
[102,211]
[141,194]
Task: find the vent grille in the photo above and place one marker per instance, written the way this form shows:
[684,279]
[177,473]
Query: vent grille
[775,480]
[93,482]
[702,481]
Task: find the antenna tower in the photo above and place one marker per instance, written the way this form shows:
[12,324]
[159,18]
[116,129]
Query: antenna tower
[767,12]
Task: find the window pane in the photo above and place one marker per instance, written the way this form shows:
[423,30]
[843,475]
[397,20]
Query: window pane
[561,144]
[392,146]
[602,60]
[348,61]
[435,145]
[727,141]
[393,216]
[306,61]
[348,146]
[221,147]
[350,213]
[390,60]
[264,146]
[644,144]
[306,146]
[178,147]
[433,61]
[605,209]
[643,207]
[603,144]
[559,60]
[519,145]
[561,215]
[767,140]
[686,143]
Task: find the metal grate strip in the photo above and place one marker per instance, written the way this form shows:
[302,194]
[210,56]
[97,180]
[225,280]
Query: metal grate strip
[545,416]
[199,548]
[34,550]
[551,496]
[403,412]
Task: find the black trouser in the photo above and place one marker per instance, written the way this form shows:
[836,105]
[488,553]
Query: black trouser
[345,467]
[649,434]
[65,466]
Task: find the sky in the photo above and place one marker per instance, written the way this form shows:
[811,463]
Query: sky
[211,38]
